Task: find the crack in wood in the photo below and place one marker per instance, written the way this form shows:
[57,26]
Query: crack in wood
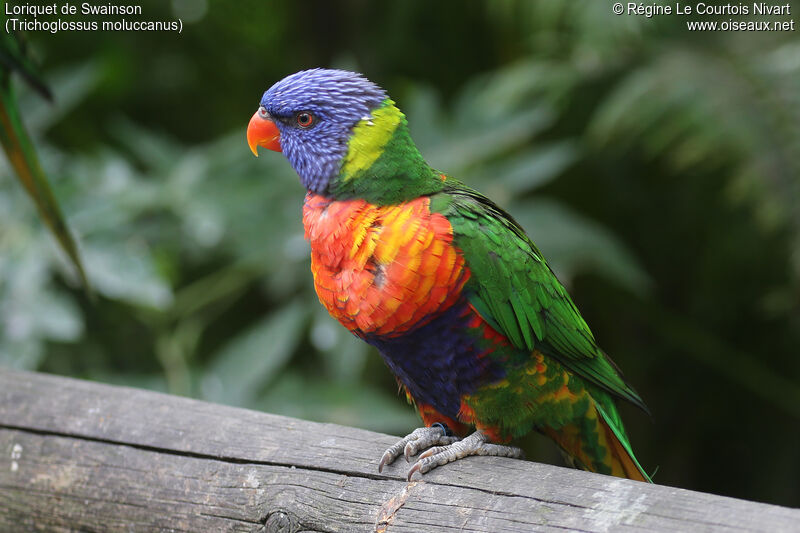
[241,461]
[195,455]
[389,509]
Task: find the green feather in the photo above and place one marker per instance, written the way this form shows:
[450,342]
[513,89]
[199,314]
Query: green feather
[515,291]
[611,416]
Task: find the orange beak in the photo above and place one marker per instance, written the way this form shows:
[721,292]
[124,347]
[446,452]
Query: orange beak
[263,132]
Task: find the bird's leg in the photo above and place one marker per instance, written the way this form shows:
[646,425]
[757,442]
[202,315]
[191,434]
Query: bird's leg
[475,444]
[419,439]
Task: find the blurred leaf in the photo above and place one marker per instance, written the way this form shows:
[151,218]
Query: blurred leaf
[485,122]
[466,147]
[423,109]
[124,271]
[679,108]
[14,58]
[156,151]
[239,371]
[30,310]
[574,244]
[22,156]
[73,85]
[493,98]
[21,355]
[343,353]
[312,398]
[534,167]
[51,316]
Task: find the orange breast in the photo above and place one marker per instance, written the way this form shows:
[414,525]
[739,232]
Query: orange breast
[381,270]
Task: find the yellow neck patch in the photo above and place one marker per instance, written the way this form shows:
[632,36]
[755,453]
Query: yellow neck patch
[368,139]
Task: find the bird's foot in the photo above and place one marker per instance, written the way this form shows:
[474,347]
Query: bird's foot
[475,444]
[419,439]
[441,448]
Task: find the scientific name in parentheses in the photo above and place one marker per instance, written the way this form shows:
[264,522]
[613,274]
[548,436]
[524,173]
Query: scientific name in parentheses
[67,9]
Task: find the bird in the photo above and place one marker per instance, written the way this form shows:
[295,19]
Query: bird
[462,306]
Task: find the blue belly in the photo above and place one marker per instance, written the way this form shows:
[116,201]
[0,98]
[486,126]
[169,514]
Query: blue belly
[440,361]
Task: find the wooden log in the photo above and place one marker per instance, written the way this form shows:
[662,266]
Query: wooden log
[82,456]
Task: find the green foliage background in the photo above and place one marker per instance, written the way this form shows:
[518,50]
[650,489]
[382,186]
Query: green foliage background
[657,168]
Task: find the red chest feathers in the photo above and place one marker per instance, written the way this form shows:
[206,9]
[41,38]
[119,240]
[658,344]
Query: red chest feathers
[382,270]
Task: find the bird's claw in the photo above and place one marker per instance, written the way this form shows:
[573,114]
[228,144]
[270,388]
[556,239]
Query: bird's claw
[475,444]
[387,457]
[411,444]
[414,469]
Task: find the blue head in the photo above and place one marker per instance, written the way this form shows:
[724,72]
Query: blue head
[314,112]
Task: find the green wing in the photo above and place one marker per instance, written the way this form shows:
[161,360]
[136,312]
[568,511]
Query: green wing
[513,289]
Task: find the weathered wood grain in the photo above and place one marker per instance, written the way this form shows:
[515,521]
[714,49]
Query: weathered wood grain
[81,456]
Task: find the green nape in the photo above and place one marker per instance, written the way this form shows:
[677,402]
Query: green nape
[383,165]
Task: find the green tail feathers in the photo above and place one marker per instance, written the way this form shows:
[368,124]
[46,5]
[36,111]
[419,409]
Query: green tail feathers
[597,442]
[620,446]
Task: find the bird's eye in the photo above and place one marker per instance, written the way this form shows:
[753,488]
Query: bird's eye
[262,112]
[304,119]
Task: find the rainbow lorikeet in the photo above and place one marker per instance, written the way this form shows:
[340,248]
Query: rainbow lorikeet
[457,299]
